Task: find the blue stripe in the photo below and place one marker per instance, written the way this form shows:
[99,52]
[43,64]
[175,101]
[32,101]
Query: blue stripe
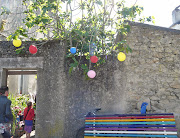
[130,126]
[131,135]
[129,122]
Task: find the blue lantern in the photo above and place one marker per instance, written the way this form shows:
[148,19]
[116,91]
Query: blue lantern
[73,50]
[92,49]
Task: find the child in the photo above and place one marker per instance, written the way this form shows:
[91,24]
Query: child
[28,117]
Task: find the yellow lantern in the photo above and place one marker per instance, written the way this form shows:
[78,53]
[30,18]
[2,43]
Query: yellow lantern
[121,56]
[17,43]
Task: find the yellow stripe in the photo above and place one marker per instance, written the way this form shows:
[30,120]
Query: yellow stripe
[131,120]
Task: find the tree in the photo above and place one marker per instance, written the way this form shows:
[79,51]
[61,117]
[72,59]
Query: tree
[92,31]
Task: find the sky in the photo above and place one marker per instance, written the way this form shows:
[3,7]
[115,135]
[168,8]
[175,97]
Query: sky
[160,9]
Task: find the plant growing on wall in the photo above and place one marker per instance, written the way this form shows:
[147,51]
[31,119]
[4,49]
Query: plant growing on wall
[89,26]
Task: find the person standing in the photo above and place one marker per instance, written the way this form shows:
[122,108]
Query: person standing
[6,116]
[28,118]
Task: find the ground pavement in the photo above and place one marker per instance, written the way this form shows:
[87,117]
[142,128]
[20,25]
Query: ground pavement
[32,135]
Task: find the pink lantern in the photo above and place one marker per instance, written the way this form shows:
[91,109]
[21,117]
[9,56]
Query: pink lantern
[91,74]
[33,49]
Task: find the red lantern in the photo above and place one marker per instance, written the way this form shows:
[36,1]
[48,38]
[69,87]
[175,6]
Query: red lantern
[33,49]
[94,59]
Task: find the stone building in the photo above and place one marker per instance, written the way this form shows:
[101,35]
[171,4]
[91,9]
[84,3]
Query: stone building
[176,18]
[149,74]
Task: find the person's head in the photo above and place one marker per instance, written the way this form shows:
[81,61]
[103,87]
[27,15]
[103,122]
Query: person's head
[4,90]
[29,104]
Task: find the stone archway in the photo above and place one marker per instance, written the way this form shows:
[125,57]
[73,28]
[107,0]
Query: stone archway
[13,66]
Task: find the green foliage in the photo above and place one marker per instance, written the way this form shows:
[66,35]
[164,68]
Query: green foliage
[19,32]
[18,105]
[2,24]
[98,22]
[5,10]
[13,124]
[19,50]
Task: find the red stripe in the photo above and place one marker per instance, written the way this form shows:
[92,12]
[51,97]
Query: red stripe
[130,117]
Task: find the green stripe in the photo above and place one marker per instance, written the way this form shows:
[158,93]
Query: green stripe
[130,122]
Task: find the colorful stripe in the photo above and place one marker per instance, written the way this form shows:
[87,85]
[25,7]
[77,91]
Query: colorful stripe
[130,120]
[104,137]
[130,117]
[121,115]
[131,135]
[133,126]
[132,132]
[144,129]
[129,123]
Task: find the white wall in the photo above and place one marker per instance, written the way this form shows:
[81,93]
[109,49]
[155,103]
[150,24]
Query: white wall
[29,84]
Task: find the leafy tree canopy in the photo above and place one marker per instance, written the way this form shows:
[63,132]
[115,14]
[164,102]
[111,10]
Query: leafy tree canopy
[89,25]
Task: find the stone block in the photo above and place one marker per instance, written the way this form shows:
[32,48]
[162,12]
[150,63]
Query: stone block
[154,98]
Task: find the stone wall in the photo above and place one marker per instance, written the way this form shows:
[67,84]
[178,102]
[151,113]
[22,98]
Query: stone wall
[152,69]
[149,74]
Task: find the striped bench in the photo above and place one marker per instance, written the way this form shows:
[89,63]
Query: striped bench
[130,125]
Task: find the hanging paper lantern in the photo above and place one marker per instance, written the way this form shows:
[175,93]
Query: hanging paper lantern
[73,50]
[17,43]
[33,49]
[94,59]
[91,74]
[121,56]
